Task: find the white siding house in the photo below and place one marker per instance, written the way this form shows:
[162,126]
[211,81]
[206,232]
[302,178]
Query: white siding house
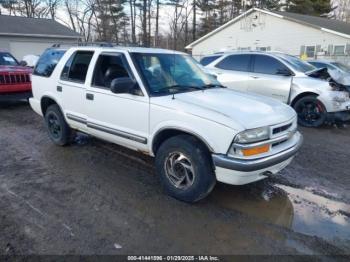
[23,36]
[291,33]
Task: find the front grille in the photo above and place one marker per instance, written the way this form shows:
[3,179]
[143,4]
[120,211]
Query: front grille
[13,79]
[280,129]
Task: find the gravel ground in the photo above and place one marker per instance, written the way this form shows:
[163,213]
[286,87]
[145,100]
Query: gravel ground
[98,198]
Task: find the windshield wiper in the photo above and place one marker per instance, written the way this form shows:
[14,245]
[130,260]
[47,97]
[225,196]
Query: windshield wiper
[178,88]
[213,86]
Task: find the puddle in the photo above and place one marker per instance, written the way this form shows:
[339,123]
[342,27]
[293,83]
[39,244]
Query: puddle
[318,215]
[297,209]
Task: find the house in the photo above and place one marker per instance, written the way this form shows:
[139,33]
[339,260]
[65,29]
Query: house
[300,35]
[22,36]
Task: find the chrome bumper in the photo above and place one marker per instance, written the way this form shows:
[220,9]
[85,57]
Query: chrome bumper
[224,161]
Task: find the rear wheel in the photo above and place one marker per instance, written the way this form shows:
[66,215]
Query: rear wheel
[185,168]
[57,127]
[311,112]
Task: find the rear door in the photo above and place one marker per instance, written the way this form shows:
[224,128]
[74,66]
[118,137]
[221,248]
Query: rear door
[72,88]
[270,77]
[234,71]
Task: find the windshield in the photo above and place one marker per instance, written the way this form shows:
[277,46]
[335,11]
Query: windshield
[172,73]
[296,63]
[341,66]
[7,60]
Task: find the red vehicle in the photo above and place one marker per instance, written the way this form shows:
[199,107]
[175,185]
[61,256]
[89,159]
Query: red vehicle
[15,80]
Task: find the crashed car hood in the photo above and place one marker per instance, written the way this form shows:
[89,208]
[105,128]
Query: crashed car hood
[15,69]
[228,107]
[324,73]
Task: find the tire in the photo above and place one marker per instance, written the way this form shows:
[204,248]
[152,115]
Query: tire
[181,155]
[311,112]
[57,127]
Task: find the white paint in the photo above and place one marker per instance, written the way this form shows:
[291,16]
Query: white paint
[275,32]
[214,115]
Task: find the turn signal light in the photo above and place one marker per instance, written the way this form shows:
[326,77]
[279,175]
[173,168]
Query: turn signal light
[256,150]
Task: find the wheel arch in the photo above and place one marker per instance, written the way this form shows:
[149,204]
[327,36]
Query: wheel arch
[47,101]
[168,132]
[299,96]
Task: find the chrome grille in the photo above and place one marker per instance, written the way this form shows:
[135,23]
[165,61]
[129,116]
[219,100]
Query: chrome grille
[280,129]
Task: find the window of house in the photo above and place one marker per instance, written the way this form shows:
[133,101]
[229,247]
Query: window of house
[265,64]
[77,66]
[310,51]
[108,68]
[235,62]
[339,49]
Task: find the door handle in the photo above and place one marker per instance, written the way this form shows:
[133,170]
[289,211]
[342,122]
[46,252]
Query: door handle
[89,96]
[255,77]
[59,88]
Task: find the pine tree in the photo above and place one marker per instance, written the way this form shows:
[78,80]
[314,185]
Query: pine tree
[309,7]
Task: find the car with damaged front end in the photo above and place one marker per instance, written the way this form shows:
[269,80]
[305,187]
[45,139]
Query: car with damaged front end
[317,96]
[159,102]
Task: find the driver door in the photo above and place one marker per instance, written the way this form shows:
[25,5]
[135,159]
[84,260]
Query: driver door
[119,118]
[270,77]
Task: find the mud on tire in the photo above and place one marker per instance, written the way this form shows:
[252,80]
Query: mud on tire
[185,168]
[59,131]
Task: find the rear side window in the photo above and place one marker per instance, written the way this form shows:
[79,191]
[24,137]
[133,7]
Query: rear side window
[264,64]
[236,63]
[47,62]
[207,60]
[76,67]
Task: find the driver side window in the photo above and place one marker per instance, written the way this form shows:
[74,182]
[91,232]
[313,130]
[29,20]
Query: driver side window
[109,67]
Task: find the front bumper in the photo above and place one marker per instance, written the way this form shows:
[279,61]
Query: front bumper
[239,171]
[15,96]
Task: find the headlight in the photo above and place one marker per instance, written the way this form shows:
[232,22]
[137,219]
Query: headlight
[253,135]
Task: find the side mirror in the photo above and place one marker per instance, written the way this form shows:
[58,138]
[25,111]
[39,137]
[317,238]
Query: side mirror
[23,63]
[123,85]
[284,72]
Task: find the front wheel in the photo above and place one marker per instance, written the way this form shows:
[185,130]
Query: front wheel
[311,112]
[185,168]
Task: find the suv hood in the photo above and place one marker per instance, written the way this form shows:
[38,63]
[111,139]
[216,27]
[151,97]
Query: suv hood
[15,69]
[231,108]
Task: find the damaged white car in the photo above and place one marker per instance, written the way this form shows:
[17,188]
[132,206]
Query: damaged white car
[316,95]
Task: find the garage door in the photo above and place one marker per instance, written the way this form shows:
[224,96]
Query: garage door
[20,49]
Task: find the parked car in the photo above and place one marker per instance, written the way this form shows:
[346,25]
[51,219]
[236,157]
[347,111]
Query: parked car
[15,83]
[30,60]
[312,92]
[338,71]
[161,103]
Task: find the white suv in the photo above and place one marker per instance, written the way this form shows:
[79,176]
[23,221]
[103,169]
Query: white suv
[160,103]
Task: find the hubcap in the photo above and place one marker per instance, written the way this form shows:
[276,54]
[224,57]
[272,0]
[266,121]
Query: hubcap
[179,170]
[54,125]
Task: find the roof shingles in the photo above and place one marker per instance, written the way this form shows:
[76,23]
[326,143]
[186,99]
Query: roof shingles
[16,25]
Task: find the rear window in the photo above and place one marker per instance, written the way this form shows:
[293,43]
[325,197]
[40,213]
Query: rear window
[207,60]
[236,63]
[47,62]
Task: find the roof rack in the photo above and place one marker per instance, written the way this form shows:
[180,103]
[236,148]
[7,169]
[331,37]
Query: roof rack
[99,44]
